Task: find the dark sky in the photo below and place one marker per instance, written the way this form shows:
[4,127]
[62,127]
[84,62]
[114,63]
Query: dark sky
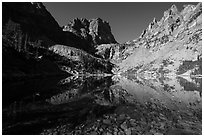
[127,20]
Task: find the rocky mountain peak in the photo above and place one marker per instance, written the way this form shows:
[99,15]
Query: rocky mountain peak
[152,24]
[170,23]
[173,11]
[76,25]
[171,44]
[97,29]
[38,5]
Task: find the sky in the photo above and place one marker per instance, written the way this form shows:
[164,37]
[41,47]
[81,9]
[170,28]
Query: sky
[127,19]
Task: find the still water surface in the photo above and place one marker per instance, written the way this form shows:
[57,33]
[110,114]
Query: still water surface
[103,105]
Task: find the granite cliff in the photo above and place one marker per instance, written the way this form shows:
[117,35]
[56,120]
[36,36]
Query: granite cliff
[93,31]
[155,89]
[171,46]
[29,31]
[87,34]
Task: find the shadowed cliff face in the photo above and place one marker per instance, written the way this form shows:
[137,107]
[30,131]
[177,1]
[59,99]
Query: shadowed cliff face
[28,32]
[34,19]
[170,46]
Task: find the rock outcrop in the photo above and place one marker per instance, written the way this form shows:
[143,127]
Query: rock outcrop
[94,31]
[29,30]
[171,46]
[79,62]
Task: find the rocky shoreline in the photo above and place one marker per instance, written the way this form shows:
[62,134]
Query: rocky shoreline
[136,122]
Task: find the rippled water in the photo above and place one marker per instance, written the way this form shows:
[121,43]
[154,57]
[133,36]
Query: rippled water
[103,105]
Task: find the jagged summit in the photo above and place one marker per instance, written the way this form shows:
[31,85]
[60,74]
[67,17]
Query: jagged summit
[97,31]
[172,21]
[170,46]
[176,38]
[38,5]
[34,18]
[28,32]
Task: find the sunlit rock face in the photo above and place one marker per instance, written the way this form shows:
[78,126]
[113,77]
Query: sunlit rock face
[79,62]
[170,46]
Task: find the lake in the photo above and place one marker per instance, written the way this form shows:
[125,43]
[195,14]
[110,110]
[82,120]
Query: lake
[112,105]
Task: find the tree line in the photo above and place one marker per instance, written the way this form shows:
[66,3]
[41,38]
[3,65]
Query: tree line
[21,41]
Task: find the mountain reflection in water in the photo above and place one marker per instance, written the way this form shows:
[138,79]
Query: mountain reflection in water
[103,105]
